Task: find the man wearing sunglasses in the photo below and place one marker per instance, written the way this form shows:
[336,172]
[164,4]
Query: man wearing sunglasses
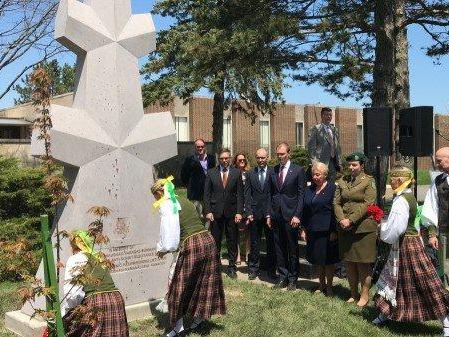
[193,174]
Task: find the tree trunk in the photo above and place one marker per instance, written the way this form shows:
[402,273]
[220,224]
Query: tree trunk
[391,76]
[218,114]
[401,94]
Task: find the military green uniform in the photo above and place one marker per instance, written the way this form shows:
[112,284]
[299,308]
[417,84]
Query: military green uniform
[351,200]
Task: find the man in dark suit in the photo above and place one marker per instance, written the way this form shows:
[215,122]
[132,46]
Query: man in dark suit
[287,187]
[193,174]
[223,205]
[257,208]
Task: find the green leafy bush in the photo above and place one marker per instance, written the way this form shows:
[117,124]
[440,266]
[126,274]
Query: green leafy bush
[22,200]
[299,156]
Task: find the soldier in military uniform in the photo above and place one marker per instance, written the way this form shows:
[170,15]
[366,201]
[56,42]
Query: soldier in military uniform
[356,231]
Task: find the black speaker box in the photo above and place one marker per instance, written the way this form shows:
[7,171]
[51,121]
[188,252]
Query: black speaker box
[416,131]
[377,131]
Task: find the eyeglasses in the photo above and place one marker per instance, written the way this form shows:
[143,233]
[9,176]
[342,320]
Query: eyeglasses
[223,158]
[241,160]
[200,147]
[261,157]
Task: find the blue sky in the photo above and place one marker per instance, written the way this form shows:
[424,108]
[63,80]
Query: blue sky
[428,82]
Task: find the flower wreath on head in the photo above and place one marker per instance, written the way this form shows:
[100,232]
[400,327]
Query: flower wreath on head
[169,194]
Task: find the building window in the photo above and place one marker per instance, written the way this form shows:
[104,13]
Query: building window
[227,133]
[265,141]
[182,129]
[300,134]
[360,137]
[9,132]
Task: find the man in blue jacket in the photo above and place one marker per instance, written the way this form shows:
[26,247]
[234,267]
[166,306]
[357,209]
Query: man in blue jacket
[287,185]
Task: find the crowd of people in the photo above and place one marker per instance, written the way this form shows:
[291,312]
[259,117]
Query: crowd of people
[282,204]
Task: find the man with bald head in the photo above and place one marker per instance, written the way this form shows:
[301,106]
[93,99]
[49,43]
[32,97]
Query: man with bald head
[257,207]
[435,213]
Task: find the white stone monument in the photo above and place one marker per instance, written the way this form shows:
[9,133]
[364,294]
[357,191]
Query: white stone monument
[108,146]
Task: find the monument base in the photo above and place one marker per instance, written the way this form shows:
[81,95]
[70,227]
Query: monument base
[21,324]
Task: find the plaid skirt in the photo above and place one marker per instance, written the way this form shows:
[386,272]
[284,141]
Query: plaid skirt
[197,287]
[420,295]
[106,318]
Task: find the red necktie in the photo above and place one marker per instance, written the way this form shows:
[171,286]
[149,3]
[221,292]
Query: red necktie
[281,176]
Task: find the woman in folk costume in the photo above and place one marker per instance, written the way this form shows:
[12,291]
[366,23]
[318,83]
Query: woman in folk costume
[409,288]
[168,207]
[196,288]
[96,307]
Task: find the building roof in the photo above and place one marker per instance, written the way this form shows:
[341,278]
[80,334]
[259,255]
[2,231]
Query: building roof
[13,122]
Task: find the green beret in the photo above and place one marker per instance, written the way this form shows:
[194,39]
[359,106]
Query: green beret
[356,156]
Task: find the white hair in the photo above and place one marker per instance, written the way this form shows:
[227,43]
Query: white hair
[320,167]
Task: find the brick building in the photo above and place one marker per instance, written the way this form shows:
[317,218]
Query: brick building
[290,123]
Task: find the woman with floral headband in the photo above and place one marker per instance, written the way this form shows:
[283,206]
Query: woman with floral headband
[92,306]
[196,288]
[409,288]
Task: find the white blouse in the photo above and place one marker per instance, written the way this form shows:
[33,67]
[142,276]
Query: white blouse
[73,293]
[396,224]
[170,232]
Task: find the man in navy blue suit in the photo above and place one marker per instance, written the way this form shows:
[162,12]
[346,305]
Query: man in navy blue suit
[257,207]
[287,185]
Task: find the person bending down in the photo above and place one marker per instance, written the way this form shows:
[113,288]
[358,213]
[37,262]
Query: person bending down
[196,288]
[96,308]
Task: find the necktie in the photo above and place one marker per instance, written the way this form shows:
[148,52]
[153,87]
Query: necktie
[330,138]
[281,176]
[224,177]
[262,177]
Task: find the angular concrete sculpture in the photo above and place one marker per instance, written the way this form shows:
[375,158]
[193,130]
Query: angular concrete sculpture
[107,144]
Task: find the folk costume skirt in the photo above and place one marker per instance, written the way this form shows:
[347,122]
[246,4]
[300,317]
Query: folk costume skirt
[108,318]
[420,294]
[197,287]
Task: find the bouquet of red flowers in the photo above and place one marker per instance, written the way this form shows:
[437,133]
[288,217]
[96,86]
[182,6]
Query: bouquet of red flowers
[375,212]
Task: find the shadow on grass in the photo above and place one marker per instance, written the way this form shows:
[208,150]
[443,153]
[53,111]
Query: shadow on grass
[163,323]
[399,328]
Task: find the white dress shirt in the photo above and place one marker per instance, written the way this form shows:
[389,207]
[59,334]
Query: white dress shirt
[430,208]
[285,170]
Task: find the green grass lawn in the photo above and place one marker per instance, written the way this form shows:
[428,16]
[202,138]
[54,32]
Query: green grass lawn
[9,301]
[257,310]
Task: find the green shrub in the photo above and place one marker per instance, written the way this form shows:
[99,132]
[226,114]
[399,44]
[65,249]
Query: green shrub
[299,156]
[20,247]
[22,200]
[21,190]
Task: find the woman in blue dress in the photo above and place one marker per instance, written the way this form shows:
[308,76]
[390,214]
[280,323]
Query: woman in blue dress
[320,226]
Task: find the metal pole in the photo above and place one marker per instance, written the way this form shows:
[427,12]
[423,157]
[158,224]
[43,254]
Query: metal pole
[378,196]
[415,173]
[50,276]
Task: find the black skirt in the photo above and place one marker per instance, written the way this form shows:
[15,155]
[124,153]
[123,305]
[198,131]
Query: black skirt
[320,250]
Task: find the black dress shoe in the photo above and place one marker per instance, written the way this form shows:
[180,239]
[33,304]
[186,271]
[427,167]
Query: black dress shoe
[252,276]
[280,284]
[272,275]
[291,286]
[232,274]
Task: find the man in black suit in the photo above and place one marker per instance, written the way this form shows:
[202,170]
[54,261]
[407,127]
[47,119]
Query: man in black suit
[257,207]
[223,205]
[193,174]
[287,187]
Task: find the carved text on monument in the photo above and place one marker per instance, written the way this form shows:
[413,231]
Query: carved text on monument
[127,258]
